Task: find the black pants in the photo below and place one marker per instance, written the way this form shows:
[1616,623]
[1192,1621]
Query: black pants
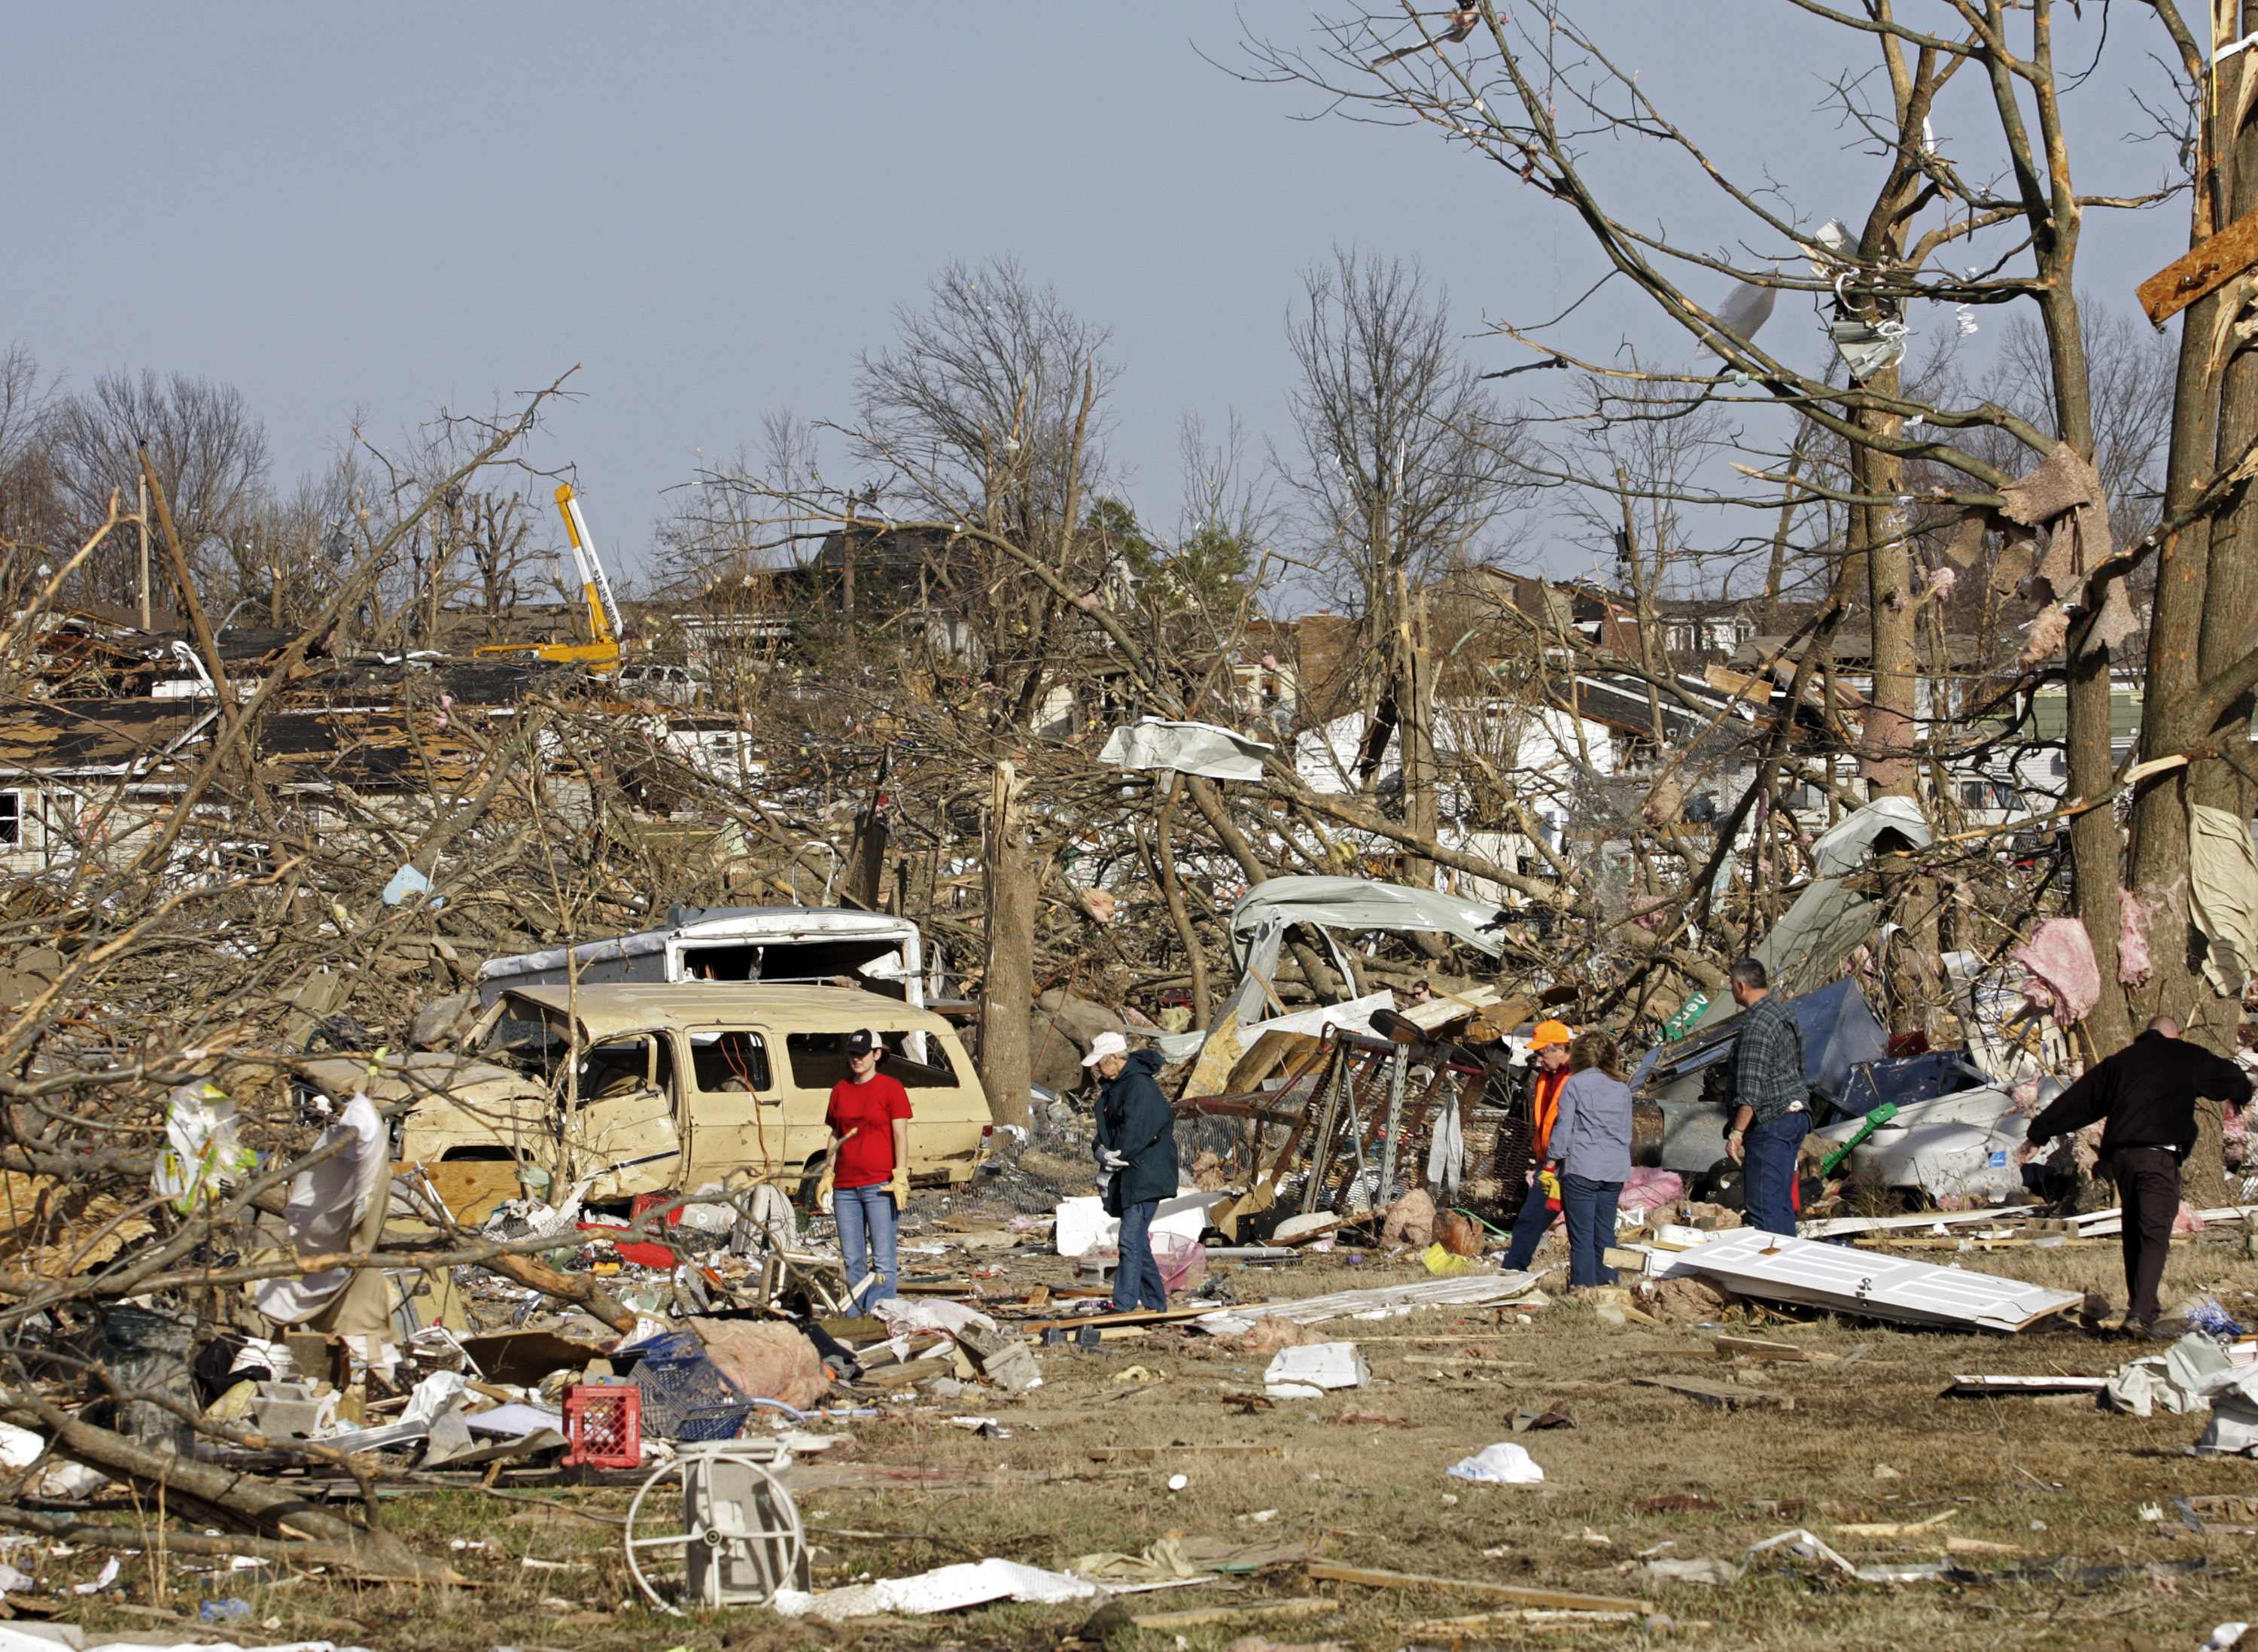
[2148,1187]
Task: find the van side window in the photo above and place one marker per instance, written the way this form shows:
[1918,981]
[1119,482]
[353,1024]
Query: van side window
[819,1060]
[729,1061]
[617,1065]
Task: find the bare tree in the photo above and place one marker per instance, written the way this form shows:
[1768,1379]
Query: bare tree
[976,410]
[206,447]
[28,514]
[1992,216]
[1401,465]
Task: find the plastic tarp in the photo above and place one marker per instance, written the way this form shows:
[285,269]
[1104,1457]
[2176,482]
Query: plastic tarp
[1842,849]
[1826,925]
[1904,1080]
[1839,1033]
[1829,922]
[2223,895]
[330,1205]
[948,1589]
[1187,749]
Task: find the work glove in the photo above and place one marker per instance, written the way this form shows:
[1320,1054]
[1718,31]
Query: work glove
[1109,1159]
[900,1187]
[1548,1182]
[825,1187]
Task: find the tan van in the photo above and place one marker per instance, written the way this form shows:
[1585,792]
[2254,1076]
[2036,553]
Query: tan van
[677,1085]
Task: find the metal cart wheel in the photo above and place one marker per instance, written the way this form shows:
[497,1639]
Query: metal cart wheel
[678,1547]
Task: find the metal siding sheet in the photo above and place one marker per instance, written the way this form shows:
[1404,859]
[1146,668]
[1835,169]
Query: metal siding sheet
[1765,1265]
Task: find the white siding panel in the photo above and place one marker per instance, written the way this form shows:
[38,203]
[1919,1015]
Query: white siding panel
[1769,1266]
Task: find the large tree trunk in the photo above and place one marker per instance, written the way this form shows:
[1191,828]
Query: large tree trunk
[2204,613]
[1412,688]
[231,1497]
[1882,536]
[1007,984]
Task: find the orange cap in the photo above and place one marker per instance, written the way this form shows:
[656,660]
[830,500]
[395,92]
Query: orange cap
[1549,1033]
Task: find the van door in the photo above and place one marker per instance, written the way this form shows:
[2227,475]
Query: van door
[736,1110]
[624,1132]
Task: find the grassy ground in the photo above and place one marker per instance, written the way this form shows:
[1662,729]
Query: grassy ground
[1358,1478]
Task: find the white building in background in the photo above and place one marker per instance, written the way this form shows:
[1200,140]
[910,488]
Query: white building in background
[1543,751]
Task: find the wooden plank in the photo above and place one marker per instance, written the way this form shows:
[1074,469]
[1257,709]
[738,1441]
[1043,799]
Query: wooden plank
[1488,1625]
[1975,1388]
[1755,1348]
[1717,1395]
[1200,1617]
[1322,1571]
[2201,270]
[1115,1453]
[472,1188]
[1147,1317]
[1272,1051]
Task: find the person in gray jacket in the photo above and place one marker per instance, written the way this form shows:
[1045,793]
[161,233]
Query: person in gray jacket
[1590,1150]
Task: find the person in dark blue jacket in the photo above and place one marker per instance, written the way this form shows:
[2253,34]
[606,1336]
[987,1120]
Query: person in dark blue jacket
[1136,1151]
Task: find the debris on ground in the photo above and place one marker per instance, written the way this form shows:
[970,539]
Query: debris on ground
[1504,1464]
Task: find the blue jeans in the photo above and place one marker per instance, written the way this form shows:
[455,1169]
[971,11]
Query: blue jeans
[866,1236]
[1768,1171]
[1590,1210]
[1136,1275]
[1529,1229]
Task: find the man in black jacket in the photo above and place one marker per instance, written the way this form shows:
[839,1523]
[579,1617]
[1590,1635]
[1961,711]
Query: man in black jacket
[2147,1092]
[1137,1148]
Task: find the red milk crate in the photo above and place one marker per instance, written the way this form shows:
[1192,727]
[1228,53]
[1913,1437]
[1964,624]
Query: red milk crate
[646,1203]
[603,1425]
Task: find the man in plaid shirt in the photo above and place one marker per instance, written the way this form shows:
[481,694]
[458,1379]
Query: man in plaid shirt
[1771,1101]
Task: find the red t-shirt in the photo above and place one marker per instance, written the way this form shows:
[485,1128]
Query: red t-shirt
[862,1117]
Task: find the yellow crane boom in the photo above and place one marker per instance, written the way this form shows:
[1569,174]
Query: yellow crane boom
[605,629]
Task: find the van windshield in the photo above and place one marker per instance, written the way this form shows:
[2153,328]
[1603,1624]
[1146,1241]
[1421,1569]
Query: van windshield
[819,1060]
[526,1039]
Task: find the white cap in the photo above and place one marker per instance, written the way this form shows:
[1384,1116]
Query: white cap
[1104,1045]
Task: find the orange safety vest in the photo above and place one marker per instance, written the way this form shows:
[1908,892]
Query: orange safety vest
[1544,1109]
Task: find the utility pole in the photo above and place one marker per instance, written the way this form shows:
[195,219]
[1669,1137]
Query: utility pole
[145,624]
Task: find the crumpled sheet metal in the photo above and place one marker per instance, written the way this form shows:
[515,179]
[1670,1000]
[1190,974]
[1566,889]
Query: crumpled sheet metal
[1185,748]
[1357,904]
[1348,905]
[1843,848]
[2223,895]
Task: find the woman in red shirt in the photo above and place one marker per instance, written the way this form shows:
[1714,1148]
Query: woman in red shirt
[868,1174]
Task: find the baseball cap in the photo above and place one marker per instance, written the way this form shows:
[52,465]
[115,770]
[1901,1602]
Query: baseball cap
[1104,1045]
[862,1041]
[1548,1033]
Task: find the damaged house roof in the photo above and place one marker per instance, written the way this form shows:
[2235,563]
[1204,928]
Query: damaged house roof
[96,736]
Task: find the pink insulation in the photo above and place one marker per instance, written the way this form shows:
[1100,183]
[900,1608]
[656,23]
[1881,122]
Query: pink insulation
[1643,1189]
[2133,914]
[2058,960]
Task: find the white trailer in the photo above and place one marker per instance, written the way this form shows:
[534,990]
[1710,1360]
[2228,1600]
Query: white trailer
[797,944]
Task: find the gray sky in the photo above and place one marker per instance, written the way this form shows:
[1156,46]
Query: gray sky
[712,208]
